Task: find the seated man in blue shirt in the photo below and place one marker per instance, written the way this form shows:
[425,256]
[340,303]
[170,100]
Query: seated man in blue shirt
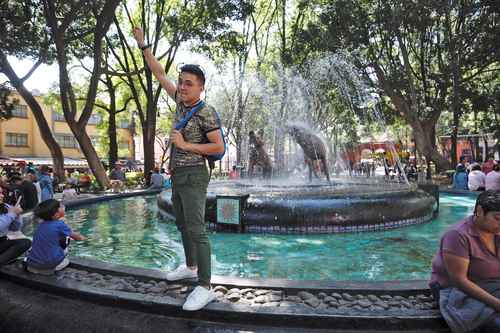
[157,180]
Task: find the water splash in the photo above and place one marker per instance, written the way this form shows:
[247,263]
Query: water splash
[300,95]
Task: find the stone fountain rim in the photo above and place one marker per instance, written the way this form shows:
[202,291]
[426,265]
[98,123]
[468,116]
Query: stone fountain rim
[223,313]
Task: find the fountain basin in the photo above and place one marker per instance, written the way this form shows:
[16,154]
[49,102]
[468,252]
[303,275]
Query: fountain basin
[316,208]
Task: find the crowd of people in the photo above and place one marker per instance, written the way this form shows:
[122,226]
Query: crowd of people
[29,188]
[476,176]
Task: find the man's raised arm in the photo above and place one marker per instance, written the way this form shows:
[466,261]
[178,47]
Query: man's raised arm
[153,64]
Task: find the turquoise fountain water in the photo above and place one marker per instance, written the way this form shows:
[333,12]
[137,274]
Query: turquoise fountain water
[129,231]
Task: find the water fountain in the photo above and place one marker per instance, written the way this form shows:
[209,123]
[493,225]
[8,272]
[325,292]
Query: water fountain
[284,204]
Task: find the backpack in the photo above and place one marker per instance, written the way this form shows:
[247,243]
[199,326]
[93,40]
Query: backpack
[212,158]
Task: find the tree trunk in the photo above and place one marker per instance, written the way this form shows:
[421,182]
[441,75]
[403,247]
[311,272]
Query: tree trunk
[453,32]
[424,143]
[477,149]
[113,145]
[486,149]
[239,143]
[335,143]
[132,134]
[454,144]
[239,130]
[456,117]
[148,141]
[496,134]
[149,153]
[45,132]
[424,134]
[90,154]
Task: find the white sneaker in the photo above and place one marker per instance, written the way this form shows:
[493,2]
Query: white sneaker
[182,272]
[198,298]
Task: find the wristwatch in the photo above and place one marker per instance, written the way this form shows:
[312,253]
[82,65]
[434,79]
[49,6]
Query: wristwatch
[145,47]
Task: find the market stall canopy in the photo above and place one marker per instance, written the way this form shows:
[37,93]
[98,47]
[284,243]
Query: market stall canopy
[4,160]
[68,162]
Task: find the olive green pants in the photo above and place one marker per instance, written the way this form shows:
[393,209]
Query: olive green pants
[189,194]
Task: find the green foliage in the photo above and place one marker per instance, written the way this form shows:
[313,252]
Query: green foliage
[23,31]
[420,57]
[7,102]
[202,21]
[134,179]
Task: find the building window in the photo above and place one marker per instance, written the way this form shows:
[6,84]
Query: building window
[58,116]
[95,119]
[123,145]
[20,111]
[66,141]
[17,139]
[95,140]
[124,123]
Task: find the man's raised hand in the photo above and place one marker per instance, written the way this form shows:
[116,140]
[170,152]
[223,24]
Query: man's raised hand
[139,36]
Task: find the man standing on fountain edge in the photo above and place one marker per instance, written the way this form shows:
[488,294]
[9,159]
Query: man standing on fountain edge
[200,137]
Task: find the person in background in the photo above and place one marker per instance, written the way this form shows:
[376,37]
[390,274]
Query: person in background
[476,178]
[492,180]
[11,191]
[34,179]
[157,180]
[10,220]
[46,184]
[55,181]
[464,160]
[50,240]
[234,174]
[465,277]
[167,183]
[118,179]
[164,174]
[460,178]
[27,190]
[72,180]
[488,165]
[84,181]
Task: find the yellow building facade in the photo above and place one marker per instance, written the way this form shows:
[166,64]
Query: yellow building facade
[20,136]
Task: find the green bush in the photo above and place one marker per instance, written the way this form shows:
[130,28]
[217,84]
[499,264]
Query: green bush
[134,179]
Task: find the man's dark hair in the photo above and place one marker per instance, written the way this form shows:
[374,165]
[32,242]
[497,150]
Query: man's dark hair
[47,209]
[476,167]
[195,70]
[16,178]
[489,201]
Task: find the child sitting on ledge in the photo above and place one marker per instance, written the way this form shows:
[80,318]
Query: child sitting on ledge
[51,240]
